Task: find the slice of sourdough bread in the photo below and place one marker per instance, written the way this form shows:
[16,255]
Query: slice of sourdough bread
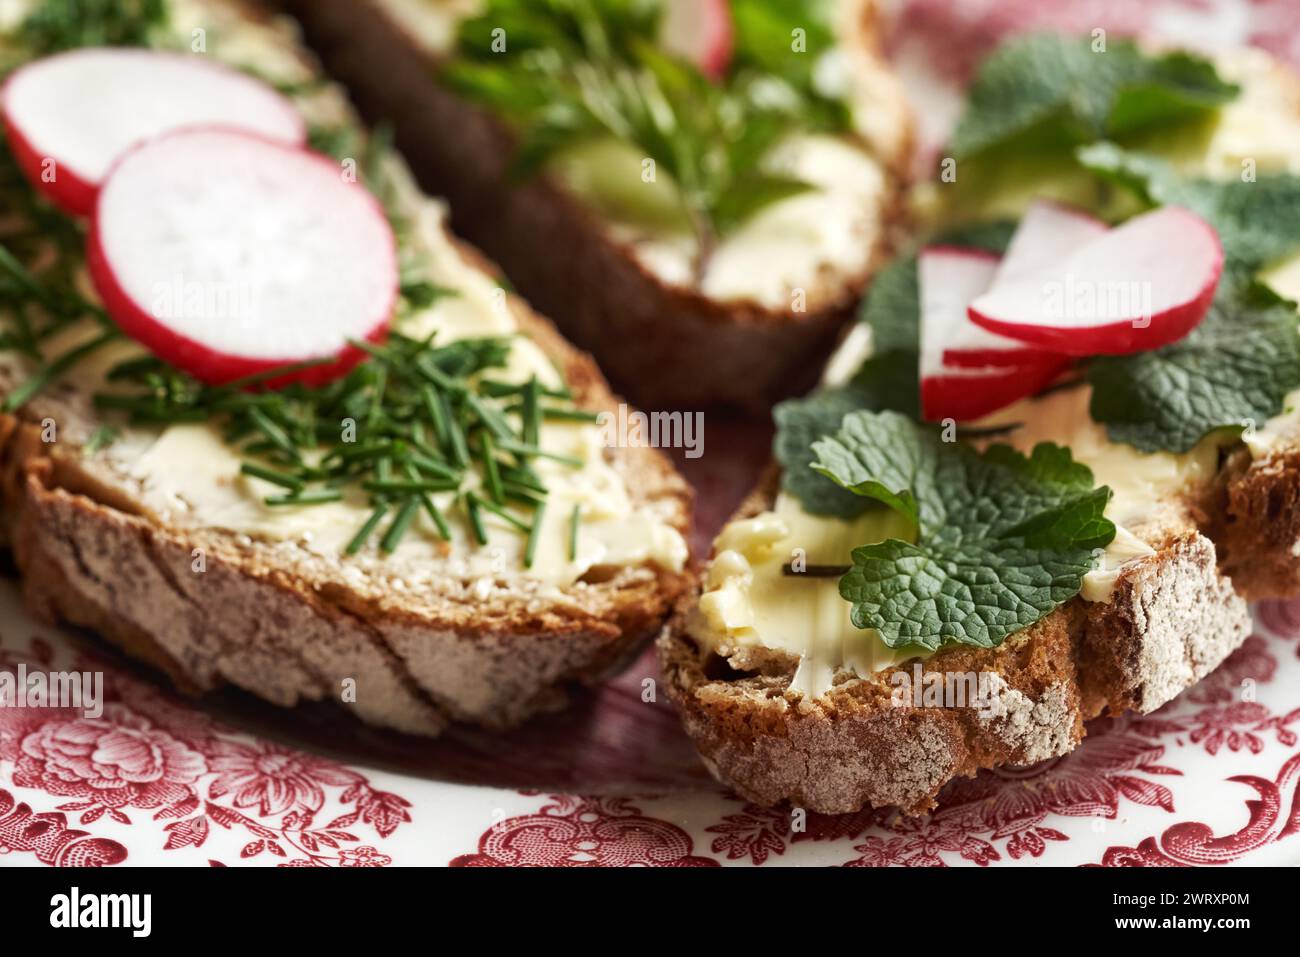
[407,644]
[1170,620]
[661,343]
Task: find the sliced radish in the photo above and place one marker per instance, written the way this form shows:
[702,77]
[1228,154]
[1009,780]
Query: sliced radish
[699,31]
[69,116]
[1048,233]
[1138,286]
[966,394]
[949,278]
[229,255]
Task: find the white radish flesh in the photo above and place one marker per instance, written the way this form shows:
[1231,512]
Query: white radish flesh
[71,115]
[1139,286]
[230,255]
[949,278]
[1048,233]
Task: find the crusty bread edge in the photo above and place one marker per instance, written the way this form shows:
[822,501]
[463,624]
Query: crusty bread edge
[87,557]
[1171,620]
[662,345]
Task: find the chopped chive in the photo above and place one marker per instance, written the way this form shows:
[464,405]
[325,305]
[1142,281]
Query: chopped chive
[475,519]
[274,434]
[427,464]
[259,377]
[497,389]
[534,534]
[363,534]
[491,475]
[26,281]
[570,415]
[319,497]
[52,370]
[533,451]
[489,417]
[129,368]
[574,519]
[459,447]
[437,414]
[498,510]
[405,515]
[532,422]
[407,485]
[436,516]
[377,397]
[516,493]
[291,482]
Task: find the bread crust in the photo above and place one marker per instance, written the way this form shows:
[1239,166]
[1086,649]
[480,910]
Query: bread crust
[1171,620]
[289,627]
[662,345]
[1253,515]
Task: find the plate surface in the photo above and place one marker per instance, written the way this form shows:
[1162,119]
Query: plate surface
[1212,778]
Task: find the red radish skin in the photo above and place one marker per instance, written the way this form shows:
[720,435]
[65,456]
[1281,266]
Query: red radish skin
[358,214]
[69,116]
[1049,231]
[964,344]
[1170,259]
[949,278]
[968,394]
[700,31]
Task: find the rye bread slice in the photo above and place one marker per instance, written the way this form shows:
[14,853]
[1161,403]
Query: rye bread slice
[1171,620]
[290,625]
[660,344]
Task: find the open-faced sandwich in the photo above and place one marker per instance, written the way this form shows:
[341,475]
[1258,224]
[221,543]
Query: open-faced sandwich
[697,191]
[265,421]
[1041,475]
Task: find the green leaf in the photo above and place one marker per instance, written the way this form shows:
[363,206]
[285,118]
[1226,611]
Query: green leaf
[1045,90]
[1234,369]
[1002,539]
[1258,221]
[580,71]
[55,25]
[886,380]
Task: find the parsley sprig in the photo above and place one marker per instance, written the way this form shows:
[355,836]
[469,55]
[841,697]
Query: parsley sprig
[583,70]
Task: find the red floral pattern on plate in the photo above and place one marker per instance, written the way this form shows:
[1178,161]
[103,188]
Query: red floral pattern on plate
[158,779]
[147,752]
[584,832]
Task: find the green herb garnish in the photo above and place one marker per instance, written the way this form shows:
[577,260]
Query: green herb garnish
[1049,91]
[55,25]
[1235,369]
[584,71]
[1001,539]
[417,418]
[887,380]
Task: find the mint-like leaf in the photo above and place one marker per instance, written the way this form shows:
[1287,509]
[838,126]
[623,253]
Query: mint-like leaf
[1239,364]
[1258,221]
[1046,90]
[1002,539]
[1233,369]
[887,380]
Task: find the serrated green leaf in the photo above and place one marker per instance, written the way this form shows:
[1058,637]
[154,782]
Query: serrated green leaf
[1258,221]
[1003,539]
[1234,369]
[1054,91]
